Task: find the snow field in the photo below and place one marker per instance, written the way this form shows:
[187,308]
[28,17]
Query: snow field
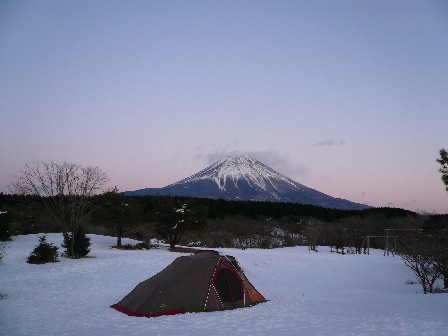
[309,294]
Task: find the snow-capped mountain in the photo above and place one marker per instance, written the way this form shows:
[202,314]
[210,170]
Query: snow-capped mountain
[244,178]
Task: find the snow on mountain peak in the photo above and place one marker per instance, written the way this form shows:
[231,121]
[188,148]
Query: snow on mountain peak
[234,169]
[245,178]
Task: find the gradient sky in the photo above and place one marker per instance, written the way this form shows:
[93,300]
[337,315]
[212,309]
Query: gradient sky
[346,97]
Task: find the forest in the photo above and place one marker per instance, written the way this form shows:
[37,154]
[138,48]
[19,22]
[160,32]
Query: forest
[241,224]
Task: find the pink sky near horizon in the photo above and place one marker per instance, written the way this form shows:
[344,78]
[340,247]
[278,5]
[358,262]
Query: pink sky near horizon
[346,97]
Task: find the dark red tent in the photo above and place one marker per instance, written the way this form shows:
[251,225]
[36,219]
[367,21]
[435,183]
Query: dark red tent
[204,281]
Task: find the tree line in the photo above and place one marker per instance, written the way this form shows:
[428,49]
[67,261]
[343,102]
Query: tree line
[215,223]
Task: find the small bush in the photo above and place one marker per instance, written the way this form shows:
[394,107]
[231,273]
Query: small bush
[139,246]
[43,252]
[194,244]
[81,245]
[438,289]
[138,235]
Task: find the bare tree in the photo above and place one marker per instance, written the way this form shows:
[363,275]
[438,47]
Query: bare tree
[417,251]
[436,228]
[65,189]
[313,234]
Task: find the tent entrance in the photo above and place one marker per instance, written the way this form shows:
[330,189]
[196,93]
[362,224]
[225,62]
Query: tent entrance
[229,286]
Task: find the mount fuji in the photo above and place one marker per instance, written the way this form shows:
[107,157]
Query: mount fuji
[244,178]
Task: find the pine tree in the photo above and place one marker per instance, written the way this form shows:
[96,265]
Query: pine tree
[174,218]
[81,244]
[443,160]
[43,252]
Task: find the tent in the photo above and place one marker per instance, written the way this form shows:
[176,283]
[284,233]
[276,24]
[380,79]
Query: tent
[201,282]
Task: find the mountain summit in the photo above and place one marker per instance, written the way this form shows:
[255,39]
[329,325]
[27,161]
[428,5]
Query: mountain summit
[244,178]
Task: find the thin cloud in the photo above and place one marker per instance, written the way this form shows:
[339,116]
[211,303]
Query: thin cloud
[330,142]
[412,204]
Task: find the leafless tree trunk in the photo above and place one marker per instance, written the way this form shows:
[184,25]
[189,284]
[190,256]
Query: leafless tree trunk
[65,189]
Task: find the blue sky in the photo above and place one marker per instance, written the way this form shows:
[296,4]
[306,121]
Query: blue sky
[347,97]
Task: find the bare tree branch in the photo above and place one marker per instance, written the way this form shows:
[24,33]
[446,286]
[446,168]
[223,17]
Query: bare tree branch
[65,189]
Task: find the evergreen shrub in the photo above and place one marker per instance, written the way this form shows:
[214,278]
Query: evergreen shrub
[81,245]
[43,252]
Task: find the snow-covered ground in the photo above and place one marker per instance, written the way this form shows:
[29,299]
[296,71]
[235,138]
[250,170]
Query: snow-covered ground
[310,294]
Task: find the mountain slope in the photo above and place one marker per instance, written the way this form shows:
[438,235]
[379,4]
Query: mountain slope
[244,178]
